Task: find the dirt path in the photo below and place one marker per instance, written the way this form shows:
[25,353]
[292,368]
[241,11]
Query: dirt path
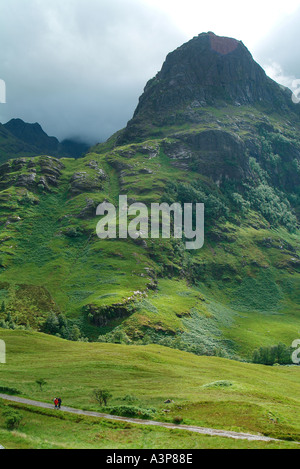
[202,430]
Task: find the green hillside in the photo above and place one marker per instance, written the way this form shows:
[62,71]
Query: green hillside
[206,391]
[237,293]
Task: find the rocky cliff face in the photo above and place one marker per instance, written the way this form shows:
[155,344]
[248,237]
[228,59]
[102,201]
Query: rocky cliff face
[213,153]
[207,71]
[215,108]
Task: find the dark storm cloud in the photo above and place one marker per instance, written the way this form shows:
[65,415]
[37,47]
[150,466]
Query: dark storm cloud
[78,66]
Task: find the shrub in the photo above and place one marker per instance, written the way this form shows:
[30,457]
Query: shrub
[218,384]
[131,411]
[117,336]
[51,325]
[73,232]
[13,419]
[9,391]
[129,398]
[177,420]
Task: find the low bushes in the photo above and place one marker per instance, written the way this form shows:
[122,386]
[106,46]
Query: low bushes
[9,391]
[280,354]
[130,411]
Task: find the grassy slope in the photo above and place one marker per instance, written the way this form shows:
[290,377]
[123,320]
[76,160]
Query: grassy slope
[44,430]
[256,399]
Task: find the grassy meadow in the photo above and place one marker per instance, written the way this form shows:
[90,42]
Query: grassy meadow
[206,391]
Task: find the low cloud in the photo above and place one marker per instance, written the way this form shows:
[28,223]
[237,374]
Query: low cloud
[275,71]
[279,53]
[78,67]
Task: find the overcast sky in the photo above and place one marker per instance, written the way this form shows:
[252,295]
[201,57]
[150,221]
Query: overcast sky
[78,66]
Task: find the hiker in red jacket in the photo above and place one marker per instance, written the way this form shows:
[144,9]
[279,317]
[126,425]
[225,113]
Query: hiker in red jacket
[56,403]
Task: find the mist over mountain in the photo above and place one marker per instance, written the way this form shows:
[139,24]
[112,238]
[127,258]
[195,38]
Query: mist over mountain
[19,138]
[87,71]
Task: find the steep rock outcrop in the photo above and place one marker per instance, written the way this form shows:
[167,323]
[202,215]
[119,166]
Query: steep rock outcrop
[207,71]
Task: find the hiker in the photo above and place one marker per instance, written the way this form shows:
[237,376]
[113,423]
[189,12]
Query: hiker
[56,402]
[59,402]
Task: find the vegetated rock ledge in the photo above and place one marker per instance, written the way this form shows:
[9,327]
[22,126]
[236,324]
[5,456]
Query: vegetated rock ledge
[43,172]
[101,316]
[83,182]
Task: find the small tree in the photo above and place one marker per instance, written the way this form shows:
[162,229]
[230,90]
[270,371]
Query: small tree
[51,325]
[280,354]
[102,396]
[41,382]
[74,333]
[13,419]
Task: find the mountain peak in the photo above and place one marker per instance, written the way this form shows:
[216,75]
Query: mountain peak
[36,141]
[208,70]
[221,44]
[32,134]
